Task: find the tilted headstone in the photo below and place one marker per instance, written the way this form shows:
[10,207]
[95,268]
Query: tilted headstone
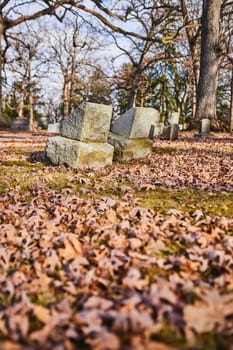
[204,128]
[136,122]
[126,149]
[90,122]
[76,154]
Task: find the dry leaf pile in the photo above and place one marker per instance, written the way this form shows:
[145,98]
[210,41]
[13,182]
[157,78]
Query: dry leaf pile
[107,274]
[110,274]
[202,164]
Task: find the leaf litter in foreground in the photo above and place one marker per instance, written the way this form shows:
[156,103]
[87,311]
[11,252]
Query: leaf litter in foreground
[109,274]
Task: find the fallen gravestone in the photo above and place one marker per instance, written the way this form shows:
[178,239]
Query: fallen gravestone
[133,132]
[83,140]
[77,154]
[136,122]
[127,149]
[91,122]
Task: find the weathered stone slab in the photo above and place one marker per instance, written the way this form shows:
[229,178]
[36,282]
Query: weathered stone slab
[54,128]
[136,122]
[90,122]
[76,154]
[204,128]
[127,149]
[170,132]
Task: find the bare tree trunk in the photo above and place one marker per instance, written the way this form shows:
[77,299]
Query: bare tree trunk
[192,37]
[231,108]
[72,79]
[30,98]
[73,67]
[2,121]
[196,75]
[21,101]
[134,89]
[209,63]
[66,98]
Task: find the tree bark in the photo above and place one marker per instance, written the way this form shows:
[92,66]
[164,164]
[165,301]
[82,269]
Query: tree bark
[30,98]
[2,121]
[231,109]
[21,100]
[193,41]
[209,62]
[66,97]
[134,88]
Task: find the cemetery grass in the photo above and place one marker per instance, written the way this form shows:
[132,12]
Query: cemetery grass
[136,255]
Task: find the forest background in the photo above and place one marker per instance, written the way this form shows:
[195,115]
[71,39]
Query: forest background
[56,54]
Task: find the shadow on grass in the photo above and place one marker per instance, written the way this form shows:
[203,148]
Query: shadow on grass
[38,157]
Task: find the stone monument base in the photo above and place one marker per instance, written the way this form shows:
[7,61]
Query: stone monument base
[77,154]
[127,149]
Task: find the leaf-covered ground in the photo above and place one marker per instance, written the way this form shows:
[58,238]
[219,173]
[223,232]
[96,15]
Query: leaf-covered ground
[132,256]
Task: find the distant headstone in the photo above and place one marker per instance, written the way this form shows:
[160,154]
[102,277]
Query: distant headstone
[136,122]
[170,132]
[90,122]
[54,128]
[204,128]
[126,149]
[174,132]
[165,135]
[77,154]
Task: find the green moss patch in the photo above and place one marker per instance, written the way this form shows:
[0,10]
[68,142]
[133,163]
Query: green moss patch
[162,199]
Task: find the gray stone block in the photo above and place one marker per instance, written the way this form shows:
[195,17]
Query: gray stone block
[136,122]
[128,149]
[90,122]
[76,154]
[54,128]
